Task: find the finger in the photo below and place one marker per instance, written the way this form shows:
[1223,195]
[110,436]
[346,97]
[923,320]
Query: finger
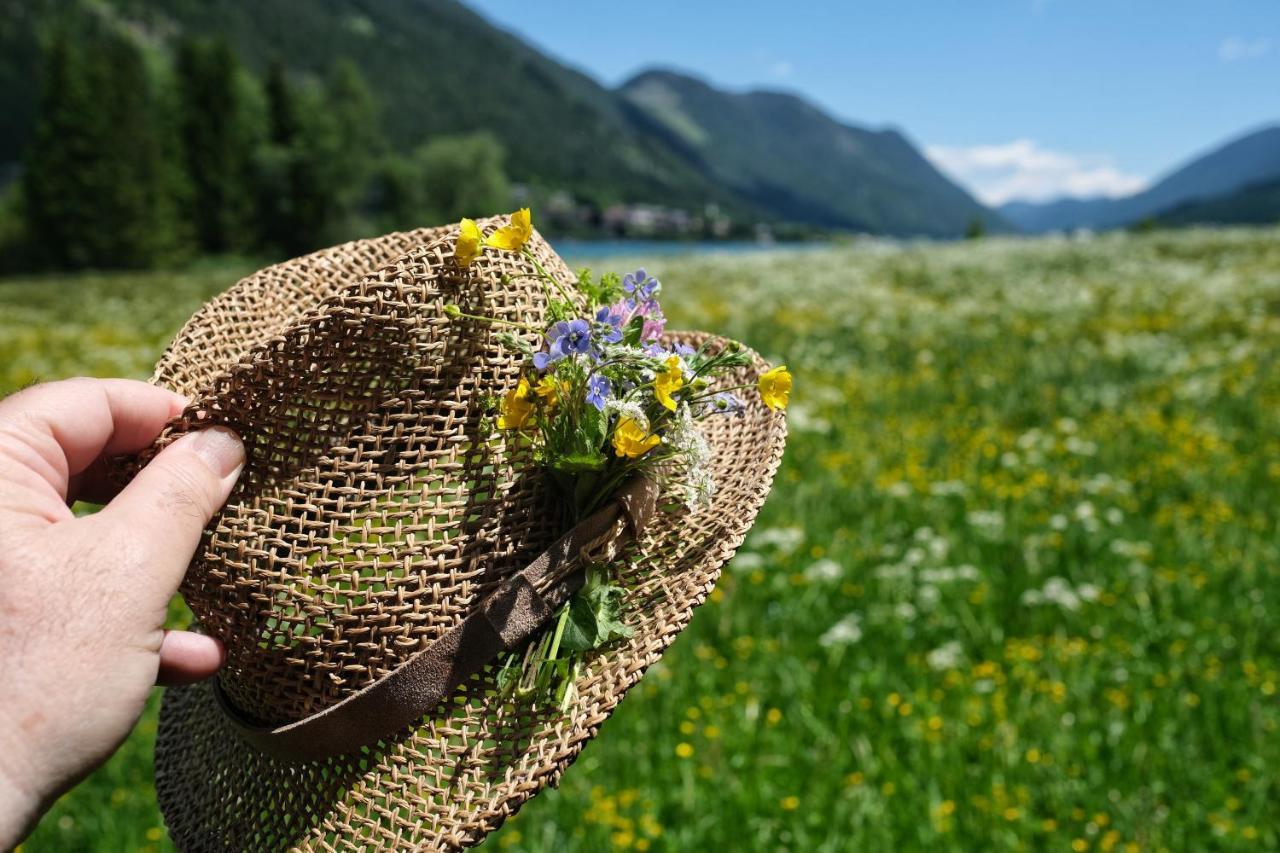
[58,429]
[187,657]
[165,508]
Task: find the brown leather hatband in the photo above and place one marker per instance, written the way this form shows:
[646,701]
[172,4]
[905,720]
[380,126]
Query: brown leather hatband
[519,607]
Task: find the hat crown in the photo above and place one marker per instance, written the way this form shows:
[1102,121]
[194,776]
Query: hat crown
[378,504]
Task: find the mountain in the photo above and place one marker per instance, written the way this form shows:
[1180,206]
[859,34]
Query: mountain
[1249,159]
[437,68]
[785,155]
[1255,204]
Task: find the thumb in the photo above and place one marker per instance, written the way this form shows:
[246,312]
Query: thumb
[167,505]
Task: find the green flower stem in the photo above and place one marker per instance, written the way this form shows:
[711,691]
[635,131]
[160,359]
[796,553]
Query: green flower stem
[455,311]
[564,294]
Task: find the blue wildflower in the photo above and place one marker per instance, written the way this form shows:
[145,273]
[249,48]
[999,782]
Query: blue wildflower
[566,338]
[598,391]
[609,324]
[642,285]
[724,403]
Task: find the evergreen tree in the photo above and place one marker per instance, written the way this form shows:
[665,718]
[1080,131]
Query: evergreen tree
[357,134]
[59,213]
[98,188]
[463,176]
[216,144]
[308,184]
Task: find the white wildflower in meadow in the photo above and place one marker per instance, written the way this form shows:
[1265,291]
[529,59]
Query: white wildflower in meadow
[801,418]
[1058,591]
[947,656]
[949,574]
[846,632]
[783,539]
[824,570]
[747,561]
[900,489]
[988,522]
[947,488]
[892,572]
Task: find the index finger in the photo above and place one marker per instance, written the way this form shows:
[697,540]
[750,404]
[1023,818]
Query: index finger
[55,431]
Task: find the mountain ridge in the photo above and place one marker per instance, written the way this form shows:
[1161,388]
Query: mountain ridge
[440,68]
[1247,158]
[781,151]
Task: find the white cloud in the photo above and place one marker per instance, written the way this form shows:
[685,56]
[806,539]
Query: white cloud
[1025,171]
[1236,49]
[782,69]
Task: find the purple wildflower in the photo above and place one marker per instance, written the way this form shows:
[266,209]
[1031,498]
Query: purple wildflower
[724,403]
[609,324]
[642,285]
[598,390]
[566,338]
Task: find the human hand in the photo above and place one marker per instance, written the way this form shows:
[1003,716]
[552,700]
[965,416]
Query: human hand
[83,600]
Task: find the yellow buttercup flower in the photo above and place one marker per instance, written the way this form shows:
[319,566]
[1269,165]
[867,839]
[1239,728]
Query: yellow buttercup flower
[631,441]
[517,407]
[513,237]
[668,382]
[468,247]
[549,390]
[775,387]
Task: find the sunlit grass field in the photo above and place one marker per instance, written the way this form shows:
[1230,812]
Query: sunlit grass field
[1017,586]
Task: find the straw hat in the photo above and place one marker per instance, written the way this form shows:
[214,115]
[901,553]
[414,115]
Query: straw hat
[382,533]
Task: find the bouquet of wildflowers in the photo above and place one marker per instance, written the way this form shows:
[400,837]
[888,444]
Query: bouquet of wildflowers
[602,398]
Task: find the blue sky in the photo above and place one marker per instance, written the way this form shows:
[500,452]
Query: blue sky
[1026,99]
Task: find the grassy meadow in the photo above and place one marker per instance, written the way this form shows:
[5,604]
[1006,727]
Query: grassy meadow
[1017,585]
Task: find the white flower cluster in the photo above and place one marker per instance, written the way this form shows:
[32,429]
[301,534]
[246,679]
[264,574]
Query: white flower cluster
[694,483]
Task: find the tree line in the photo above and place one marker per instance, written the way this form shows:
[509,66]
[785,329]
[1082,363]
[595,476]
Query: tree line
[142,158]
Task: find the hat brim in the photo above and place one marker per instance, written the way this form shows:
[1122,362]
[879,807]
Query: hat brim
[461,772]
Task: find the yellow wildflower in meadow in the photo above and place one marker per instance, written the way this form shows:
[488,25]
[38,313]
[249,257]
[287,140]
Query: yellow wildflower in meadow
[668,382]
[775,387]
[512,237]
[517,408]
[631,441]
[467,248]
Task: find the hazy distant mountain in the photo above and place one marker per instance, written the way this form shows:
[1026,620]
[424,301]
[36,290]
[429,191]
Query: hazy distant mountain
[437,68]
[786,155]
[1256,204]
[1250,159]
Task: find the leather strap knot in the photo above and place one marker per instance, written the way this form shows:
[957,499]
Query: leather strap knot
[512,613]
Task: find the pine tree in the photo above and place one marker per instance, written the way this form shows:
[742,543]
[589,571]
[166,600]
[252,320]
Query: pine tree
[98,186]
[356,136]
[58,207]
[302,175]
[216,144]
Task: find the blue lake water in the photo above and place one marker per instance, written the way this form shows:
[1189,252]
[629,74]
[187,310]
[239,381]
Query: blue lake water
[586,252]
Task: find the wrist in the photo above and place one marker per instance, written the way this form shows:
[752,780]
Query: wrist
[20,799]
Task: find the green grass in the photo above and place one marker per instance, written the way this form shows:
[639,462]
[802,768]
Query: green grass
[1016,586]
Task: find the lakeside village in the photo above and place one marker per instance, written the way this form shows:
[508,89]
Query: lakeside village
[561,213]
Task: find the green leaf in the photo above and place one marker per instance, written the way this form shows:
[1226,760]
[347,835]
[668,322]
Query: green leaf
[595,617]
[594,428]
[631,335]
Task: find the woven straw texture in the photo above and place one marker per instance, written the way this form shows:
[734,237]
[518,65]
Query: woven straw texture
[377,508]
